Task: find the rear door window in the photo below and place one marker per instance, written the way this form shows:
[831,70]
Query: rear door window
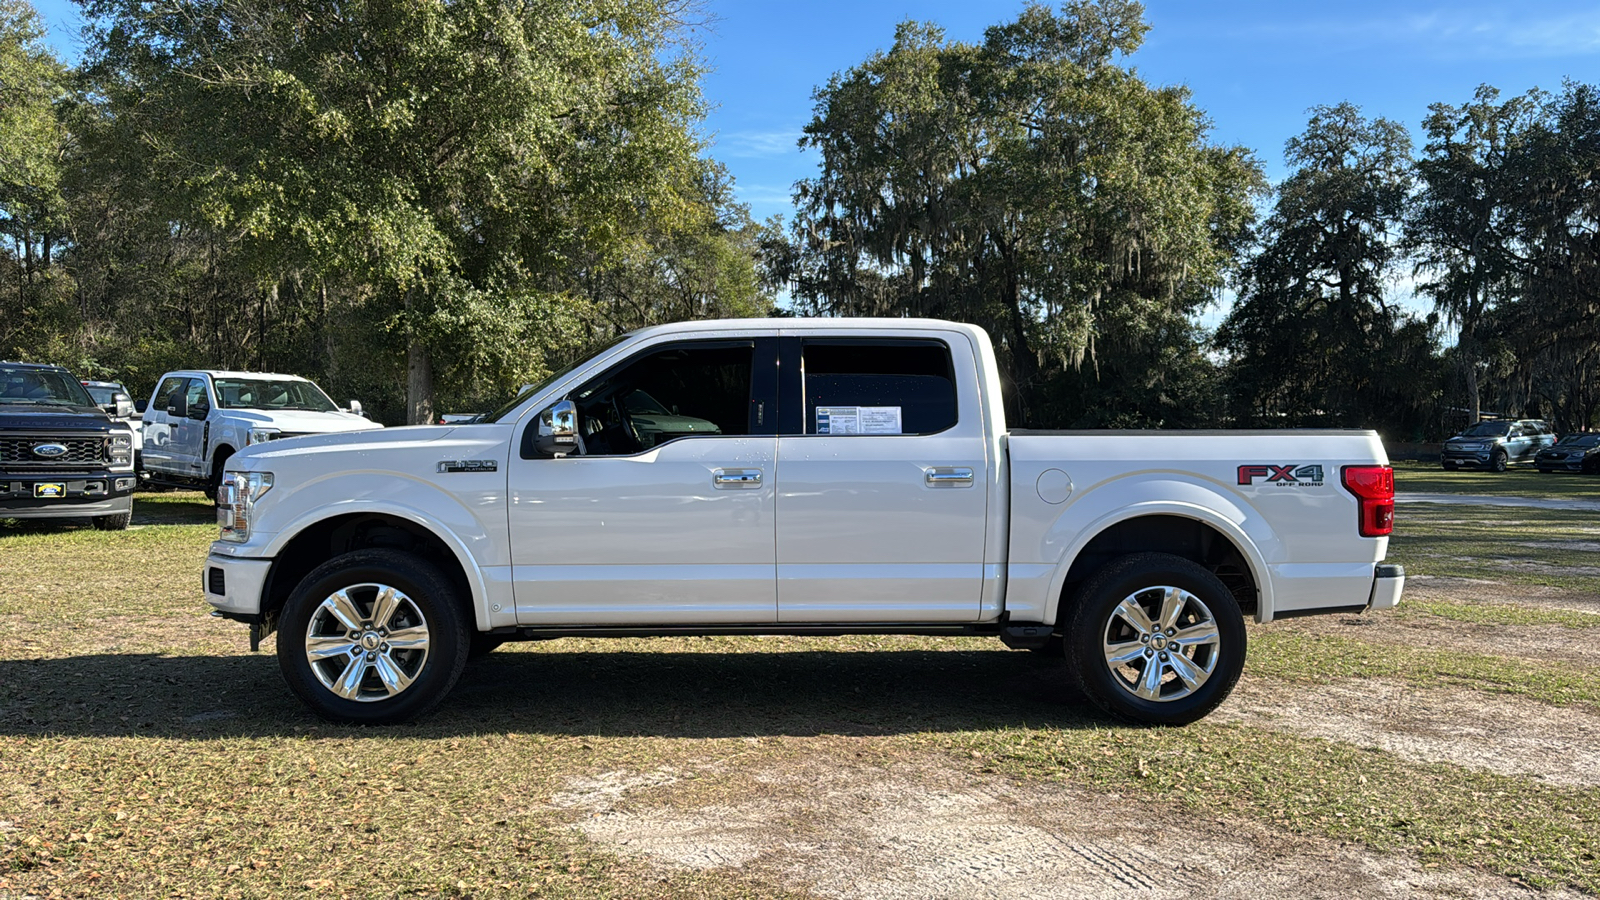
[877,387]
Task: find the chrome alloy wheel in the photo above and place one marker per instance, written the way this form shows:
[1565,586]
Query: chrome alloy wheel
[367,642]
[1161,643]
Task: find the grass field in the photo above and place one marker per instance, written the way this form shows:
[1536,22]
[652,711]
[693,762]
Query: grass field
[145,752]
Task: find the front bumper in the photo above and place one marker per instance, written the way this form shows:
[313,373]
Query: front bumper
[1560,465]
[234,585]
[41,496]
[1467,457]
[1388,581]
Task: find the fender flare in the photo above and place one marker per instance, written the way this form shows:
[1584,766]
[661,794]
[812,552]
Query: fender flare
[1227,527]
[476,583]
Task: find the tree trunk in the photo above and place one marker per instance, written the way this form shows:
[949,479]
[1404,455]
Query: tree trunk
[419,376]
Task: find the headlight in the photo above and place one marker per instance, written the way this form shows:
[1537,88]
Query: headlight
[257,435]
[121,450]
[236,500]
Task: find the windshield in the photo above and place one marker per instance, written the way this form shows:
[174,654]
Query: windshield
[1580,440]
[41,387]
[104,396]
[271,393]
[1487,429]
[549,379]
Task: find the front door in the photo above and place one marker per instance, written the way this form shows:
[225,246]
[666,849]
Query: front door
[883,484]
[667,513]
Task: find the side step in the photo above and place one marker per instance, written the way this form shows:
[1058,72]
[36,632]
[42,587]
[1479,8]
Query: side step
[1026,636]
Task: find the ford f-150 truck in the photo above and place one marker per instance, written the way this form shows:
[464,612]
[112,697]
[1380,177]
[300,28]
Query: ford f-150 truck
[834,476]
[197,419]
[61,456]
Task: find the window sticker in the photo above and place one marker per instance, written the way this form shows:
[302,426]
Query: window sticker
[858,420]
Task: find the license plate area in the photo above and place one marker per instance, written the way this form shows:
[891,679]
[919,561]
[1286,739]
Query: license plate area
[50,490]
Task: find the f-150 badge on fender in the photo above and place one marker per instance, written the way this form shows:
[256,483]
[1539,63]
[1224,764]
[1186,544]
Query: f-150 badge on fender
[469,465]
[1292,474]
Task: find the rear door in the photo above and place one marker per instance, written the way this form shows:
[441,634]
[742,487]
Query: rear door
[882,494]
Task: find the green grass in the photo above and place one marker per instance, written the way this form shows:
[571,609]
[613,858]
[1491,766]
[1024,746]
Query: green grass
[1515,545]
[145,752]
[1518,481]
[1495,614]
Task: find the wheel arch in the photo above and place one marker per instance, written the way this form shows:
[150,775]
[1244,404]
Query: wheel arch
[296,553]
[1185,530]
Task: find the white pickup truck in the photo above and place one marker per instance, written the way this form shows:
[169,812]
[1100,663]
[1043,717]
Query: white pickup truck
[795,476]
[197,419]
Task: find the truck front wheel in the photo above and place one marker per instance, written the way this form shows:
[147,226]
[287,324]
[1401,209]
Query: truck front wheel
[1156,639]
[372,637]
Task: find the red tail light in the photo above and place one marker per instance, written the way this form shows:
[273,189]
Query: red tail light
[1374,488]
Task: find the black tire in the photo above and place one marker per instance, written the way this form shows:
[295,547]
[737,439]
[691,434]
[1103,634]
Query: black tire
[1448,466]
[1203,608]
[424,607]
[113,522]
[1544,471]
[219,466]
[1499,461]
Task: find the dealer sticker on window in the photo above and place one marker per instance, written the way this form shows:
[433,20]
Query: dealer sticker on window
[858,420]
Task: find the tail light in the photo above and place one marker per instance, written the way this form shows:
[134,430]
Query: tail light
[1374,489]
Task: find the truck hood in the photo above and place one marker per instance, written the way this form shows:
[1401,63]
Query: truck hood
[302,421]
[53,418]
[374,447]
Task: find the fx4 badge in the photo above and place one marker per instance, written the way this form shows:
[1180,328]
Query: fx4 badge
[1291,475]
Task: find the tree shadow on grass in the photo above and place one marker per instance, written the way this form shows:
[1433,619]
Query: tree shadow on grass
[628,692]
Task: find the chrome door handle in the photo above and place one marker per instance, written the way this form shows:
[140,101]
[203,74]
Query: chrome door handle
[948,476]
[736,478]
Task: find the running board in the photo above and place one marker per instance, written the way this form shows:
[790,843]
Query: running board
[541,632]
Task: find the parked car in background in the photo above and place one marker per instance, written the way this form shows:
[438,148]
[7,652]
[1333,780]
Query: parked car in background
[198,419]
[1497,444]
[61,456]
[1573,453]
[117,402]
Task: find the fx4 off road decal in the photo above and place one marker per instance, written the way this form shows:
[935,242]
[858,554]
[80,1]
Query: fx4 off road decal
[1291,475]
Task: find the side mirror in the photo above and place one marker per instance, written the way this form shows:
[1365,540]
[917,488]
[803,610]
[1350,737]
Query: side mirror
[139,406]
[177,408]
[355,407]
[123,407]
[558,430]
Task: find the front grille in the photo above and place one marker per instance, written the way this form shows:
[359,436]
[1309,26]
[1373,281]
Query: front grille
[82,453]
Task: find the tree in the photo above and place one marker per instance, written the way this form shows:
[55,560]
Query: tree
[448,170]
[1314,338]
[32,81]
[1462,221]
[1030,184]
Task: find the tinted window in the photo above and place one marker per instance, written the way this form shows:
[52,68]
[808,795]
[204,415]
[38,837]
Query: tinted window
[163,397]
[677,392]
[878,387]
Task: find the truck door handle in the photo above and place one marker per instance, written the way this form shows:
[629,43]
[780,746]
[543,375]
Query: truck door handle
[736,478]
[948,477]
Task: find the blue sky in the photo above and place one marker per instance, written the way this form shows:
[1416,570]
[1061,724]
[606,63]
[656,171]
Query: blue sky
[1254,67]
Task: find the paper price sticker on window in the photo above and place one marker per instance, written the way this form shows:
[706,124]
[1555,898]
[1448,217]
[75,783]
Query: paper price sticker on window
[858,420]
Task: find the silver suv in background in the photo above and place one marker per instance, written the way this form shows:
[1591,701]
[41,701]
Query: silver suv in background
[1497,444]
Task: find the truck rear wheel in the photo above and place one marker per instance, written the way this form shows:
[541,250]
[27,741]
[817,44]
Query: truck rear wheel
[373,637]
[1156,639]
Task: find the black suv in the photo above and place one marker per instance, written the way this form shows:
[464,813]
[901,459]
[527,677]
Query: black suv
[60,455]
[1497,444]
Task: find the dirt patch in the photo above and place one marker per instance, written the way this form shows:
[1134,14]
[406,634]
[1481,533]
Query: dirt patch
[1502,734]
[1435,587]
[1535,643]
[920,829]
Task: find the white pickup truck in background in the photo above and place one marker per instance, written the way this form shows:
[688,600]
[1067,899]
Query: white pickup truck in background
[197,419]
[793,477]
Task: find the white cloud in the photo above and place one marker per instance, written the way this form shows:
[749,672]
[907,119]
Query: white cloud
[748,144]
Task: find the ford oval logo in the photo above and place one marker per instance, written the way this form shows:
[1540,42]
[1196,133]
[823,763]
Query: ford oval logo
[49,451]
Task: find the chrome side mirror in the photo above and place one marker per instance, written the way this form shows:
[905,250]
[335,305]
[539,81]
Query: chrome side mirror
[355,407]
[558,430]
